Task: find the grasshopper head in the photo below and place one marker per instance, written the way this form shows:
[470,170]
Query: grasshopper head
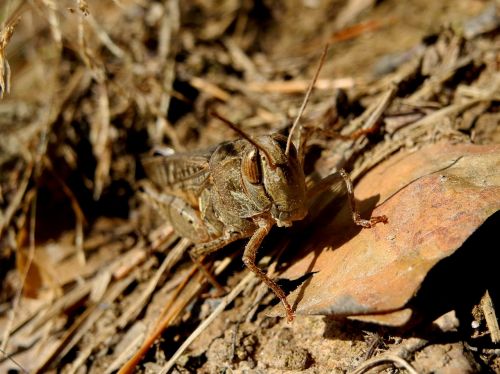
[281,175]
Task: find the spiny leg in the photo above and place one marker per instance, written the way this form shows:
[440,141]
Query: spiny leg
[356,217]
[200,251]
[249,260]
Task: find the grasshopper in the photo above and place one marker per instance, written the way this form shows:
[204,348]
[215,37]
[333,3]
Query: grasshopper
[235,190]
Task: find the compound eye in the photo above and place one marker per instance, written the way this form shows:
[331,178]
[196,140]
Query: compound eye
[250,167]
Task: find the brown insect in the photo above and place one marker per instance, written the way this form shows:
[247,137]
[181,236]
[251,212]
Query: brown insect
[238,189]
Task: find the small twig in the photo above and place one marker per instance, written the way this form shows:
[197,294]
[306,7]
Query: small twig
[371,116]
[168,31]
[6,32]
[241,60]
[210,88]
[354,31]
[172,310]
[9,357]
[382,104]
[16,200]
[379,360]
[298,86]
[83,324]
[413,131]
[220,308]
[81,221]
[167,316]
[24,275]
[55,25]
[490,317]
[104,37]
[172,258]
[376,339]
[100,132]
[233,341]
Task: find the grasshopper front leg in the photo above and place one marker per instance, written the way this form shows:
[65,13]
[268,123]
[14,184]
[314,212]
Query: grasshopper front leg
[249,255]
[334,180]
[356,217]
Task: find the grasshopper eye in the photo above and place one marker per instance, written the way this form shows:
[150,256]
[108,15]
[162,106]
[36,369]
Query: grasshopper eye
[250,167]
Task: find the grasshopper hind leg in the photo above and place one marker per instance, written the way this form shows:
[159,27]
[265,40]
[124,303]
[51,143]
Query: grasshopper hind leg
[201,250]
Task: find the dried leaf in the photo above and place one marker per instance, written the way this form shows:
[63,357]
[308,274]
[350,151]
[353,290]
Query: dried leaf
[435,199]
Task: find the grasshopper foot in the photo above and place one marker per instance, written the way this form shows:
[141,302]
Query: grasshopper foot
[368,223]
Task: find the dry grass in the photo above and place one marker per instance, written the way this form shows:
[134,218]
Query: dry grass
[87,88]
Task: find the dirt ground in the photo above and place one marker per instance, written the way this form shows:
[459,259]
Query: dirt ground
[94,280]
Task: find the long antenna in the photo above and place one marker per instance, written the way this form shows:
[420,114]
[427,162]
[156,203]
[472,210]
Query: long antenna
[243,135]
[306,99]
